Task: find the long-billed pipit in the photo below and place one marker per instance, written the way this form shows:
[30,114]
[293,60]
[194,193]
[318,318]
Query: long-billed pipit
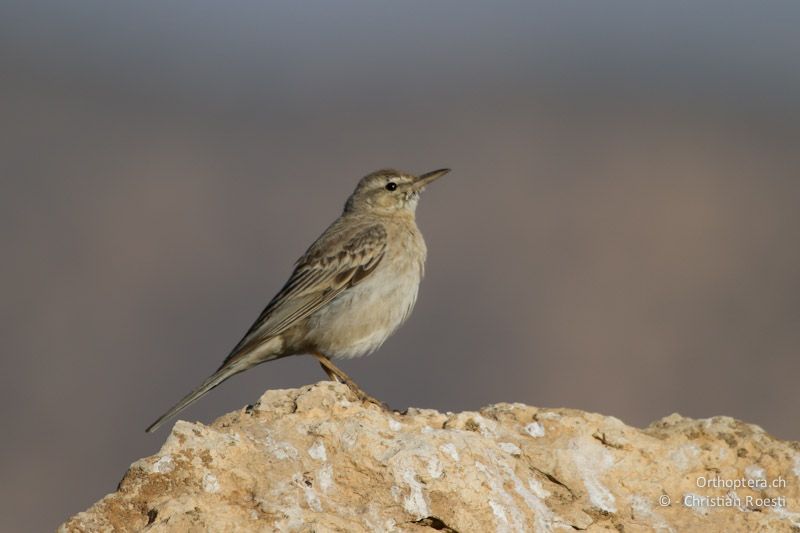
[348,293]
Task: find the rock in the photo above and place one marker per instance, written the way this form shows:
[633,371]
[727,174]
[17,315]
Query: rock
[313,459]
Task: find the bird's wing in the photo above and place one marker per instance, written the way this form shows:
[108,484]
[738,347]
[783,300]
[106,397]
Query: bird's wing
[341,258]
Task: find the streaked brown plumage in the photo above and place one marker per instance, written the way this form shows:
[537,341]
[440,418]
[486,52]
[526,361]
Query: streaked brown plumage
[348,293]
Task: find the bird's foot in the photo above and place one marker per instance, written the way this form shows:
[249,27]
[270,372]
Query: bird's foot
[366,398]
[336,374]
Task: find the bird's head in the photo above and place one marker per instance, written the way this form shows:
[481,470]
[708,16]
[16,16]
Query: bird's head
[388,191]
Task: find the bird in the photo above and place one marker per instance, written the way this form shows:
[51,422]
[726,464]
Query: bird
[352,289]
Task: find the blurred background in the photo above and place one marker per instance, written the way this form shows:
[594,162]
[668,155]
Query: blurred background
[619,233]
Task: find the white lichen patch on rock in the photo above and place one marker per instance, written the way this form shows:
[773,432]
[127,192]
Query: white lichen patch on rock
[210,483]
[535,429]
[592,462]
[163,465]
[642,511]
[315,459]
[685,456]
[310,494]
[280,449]
[325,478]
[507,515]
[450,450]
[755,473]
[510,447]
[415,503]
[317,451]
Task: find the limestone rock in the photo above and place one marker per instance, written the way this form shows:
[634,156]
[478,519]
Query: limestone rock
[313,459]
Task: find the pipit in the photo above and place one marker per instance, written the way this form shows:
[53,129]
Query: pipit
[348,293]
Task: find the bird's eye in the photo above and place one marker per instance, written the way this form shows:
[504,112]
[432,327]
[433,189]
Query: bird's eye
[391,186]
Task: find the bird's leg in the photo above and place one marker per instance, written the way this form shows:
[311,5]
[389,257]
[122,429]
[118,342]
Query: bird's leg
[334,372]
[337,374]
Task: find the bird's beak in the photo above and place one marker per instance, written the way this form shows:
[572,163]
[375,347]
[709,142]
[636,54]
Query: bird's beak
[428,178]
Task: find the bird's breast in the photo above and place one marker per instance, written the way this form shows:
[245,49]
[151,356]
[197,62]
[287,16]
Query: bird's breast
[360,319]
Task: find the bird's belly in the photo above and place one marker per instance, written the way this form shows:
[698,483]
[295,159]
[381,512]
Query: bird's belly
[358,321]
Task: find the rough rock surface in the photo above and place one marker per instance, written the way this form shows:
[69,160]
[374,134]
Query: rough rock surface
[312,459]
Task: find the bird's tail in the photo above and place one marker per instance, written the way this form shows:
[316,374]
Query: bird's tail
[231,367]
[212,381]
